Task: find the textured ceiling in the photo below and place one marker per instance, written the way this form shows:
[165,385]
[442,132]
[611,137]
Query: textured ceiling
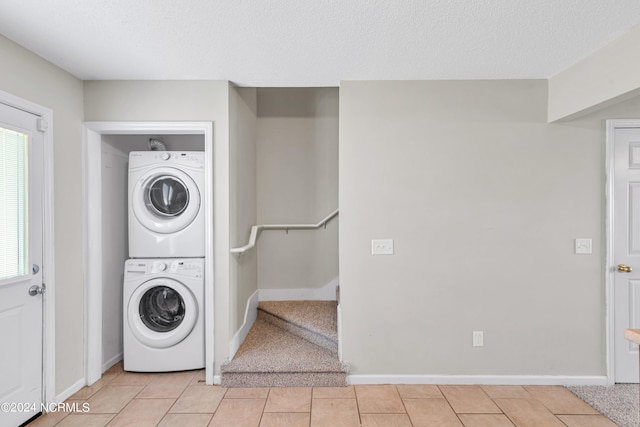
[315,43]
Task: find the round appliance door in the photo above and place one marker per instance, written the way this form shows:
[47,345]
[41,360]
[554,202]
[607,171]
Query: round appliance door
[165,200]
[162,312]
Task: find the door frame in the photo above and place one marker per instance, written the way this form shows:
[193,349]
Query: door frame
[92,227]
[610,332]
[48,244]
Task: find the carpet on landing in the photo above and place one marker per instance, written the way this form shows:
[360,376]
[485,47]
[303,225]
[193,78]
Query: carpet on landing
[619,402]
[291,344]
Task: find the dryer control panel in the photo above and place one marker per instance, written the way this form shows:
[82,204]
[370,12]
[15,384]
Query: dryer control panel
[193,159]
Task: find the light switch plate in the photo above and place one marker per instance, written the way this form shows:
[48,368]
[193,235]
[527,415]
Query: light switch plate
[478,338]
[382,247]
[584,246]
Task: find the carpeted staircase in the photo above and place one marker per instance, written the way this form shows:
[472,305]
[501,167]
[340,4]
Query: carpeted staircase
[291,344]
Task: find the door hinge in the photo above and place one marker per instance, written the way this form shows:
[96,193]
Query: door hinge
[42,125]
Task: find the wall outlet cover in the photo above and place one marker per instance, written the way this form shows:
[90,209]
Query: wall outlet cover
[584,246]
[382,247]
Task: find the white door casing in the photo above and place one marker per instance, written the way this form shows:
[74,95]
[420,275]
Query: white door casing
[21,311]
[624,251]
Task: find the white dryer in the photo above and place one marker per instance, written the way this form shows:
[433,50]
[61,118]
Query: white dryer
[166,211]
[163,315]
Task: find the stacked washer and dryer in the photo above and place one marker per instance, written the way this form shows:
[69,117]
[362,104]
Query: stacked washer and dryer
[164,279]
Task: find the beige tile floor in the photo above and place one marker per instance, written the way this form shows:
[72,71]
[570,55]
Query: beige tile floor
[182,399]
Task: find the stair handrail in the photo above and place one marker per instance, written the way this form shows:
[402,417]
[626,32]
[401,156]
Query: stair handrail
[256,229]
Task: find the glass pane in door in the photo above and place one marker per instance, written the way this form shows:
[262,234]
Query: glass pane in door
[13,203]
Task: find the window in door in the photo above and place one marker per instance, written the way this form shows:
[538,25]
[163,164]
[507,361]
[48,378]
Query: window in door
[13,204]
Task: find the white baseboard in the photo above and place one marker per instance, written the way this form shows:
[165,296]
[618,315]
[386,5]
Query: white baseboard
[250,315]
[217,379]
[339,324]
[109,363]
[478,379]
[327,292]
[70,391]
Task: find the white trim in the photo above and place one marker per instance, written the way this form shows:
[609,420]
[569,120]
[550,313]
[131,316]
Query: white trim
[339,323]
[217,379]
[327,292]
[48,261]
[48,243]
[250,315]
[92,224]
[70,391]
[209,249]
[477,379]
[610,332]
[109,363]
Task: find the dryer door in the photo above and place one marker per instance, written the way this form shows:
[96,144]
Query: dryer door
[161,312]
[165,200]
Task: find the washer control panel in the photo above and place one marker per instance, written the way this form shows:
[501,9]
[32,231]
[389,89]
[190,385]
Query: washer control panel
[189,267]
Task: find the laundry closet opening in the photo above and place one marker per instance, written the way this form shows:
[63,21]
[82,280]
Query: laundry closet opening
[115,150]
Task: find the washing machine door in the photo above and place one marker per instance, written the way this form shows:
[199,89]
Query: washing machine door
[165,200]
[161,312]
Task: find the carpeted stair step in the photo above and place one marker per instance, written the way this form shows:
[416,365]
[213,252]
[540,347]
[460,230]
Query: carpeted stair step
[314,321]
[273,357]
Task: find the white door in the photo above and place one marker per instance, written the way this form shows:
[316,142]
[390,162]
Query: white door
[21,164]
[626,250]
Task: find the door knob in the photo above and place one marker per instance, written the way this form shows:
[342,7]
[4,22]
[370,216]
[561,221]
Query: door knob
[624,268]
[35,290]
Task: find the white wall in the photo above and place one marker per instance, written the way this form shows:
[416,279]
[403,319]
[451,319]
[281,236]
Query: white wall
[30,77]
[297,158]
[115,244]
[609,75]
[174,142]
[242,134]
[483,199]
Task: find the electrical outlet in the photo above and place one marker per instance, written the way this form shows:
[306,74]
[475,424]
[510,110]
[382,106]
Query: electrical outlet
[478,338]
[382,247]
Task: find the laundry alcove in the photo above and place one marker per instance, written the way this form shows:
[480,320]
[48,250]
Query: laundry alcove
[107,149]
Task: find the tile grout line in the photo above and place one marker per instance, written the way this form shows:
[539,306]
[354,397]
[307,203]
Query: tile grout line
[264,406]
[355,393]
[450,405]
[403,405]
[311,406]
[178,398]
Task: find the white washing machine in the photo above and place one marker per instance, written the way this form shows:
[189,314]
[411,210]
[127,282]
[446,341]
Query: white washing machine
[166,211]
[163,315]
